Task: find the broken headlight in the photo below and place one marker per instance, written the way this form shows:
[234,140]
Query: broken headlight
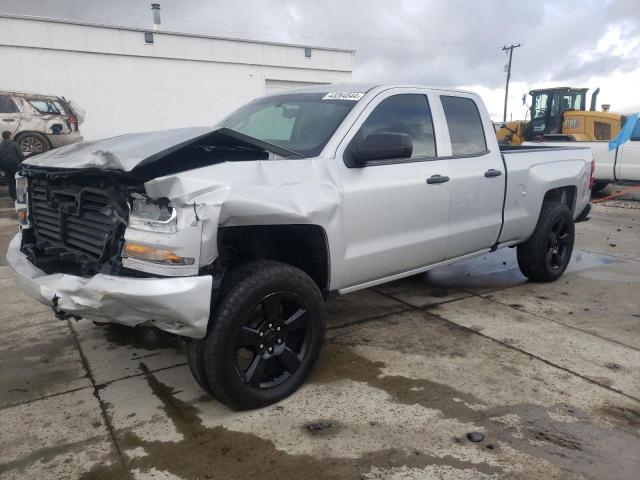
[21,189]
[21,202]
[153,215]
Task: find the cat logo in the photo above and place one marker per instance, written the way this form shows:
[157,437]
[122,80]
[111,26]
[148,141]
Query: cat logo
[572,123]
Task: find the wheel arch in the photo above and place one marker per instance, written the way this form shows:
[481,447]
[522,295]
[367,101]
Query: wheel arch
[304,246]
[566,194]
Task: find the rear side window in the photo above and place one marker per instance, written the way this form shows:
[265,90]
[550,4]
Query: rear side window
[7,105]
[45,106]
[404,113]
[465,126]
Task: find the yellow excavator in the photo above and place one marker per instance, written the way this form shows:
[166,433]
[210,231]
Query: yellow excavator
[559,114]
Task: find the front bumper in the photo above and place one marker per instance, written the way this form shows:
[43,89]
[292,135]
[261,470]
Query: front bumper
[177,305]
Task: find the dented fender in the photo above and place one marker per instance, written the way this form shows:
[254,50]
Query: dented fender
[270,192]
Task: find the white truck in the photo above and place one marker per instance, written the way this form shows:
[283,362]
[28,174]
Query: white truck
[619,165]
[233,236]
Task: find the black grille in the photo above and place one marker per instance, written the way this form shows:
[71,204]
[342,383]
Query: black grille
[73,220]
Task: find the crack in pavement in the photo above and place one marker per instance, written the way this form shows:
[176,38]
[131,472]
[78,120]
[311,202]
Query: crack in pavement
[567,370]
[103,407]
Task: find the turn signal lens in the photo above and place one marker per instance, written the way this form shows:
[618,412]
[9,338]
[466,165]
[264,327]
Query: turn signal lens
[156,255]
[23,218]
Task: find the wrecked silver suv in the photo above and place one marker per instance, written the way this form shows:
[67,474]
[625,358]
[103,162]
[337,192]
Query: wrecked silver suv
[40,122]
[233,236]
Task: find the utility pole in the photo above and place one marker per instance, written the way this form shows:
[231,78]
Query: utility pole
[506,91]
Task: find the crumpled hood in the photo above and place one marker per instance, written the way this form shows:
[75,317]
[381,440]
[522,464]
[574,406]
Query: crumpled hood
[124,152]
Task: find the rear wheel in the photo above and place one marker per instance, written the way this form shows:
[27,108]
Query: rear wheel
[32,142]
[264,337]
[545,256]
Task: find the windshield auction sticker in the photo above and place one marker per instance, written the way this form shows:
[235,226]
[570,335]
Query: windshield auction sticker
[353,96]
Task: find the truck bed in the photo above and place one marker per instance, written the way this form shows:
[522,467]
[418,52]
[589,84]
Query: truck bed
[621,164]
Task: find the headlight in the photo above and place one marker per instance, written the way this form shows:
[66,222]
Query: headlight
[154,216]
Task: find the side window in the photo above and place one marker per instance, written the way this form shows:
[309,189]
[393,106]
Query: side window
[555,104]
[465,126]
[44,106]
[7,105]
[404,113]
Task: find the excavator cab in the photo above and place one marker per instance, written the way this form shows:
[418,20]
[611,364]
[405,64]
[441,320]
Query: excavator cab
[560,114]
[548,106]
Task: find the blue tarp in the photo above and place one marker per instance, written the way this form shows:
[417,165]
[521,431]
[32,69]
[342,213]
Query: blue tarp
[626,133]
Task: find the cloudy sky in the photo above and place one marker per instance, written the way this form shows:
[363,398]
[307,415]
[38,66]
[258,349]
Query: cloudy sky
[453,43]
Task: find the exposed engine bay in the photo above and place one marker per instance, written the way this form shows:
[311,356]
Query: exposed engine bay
[78,220]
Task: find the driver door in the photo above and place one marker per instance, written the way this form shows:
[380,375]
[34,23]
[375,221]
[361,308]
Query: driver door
[396,216]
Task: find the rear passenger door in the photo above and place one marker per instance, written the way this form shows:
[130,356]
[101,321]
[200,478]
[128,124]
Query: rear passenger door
[477,177]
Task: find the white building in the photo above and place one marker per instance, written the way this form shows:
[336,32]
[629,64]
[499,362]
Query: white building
[127,84]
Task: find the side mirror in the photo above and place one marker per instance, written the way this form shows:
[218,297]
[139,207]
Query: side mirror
[379,146]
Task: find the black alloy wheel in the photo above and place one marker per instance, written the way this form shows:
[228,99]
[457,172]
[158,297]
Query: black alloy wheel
[264,335]
[273,341]
[546,254]
[558,246]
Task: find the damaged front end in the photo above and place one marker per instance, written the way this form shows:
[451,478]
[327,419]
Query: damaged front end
[132,229]
[93,245]
[76,219]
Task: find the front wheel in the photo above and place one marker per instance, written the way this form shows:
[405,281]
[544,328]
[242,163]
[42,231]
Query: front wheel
[264,336]
[545,256]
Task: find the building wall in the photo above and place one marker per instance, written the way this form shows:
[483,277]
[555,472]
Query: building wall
[127,86]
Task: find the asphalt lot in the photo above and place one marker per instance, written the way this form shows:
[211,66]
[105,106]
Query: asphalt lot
[549,374]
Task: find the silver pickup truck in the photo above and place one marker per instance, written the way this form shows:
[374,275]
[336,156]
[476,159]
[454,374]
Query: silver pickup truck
[233,236]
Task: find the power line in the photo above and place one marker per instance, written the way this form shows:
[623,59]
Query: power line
[510,49]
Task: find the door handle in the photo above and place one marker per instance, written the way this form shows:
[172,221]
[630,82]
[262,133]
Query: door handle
[437,179]
[492,173]
[8,120]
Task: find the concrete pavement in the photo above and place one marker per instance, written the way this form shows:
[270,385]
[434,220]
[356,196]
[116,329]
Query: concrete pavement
[547,373]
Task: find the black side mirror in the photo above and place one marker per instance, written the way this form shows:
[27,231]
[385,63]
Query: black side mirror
[379,146]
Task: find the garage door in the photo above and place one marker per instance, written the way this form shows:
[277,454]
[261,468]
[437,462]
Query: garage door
[274,86]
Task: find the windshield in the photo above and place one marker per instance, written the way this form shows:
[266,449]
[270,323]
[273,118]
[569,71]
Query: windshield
[301,122]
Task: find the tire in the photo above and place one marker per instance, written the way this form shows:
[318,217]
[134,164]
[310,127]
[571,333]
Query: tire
[599,186]
[264,335]
[545,256]
[32,142]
